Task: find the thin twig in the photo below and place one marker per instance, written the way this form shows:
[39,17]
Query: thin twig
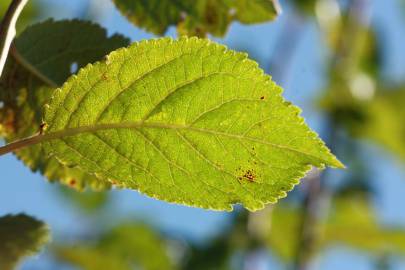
[7,29]
[11,147]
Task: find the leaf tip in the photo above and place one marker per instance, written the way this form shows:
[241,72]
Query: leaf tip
[337,164]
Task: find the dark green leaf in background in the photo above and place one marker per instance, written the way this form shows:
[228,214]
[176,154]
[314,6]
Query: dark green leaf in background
[20,236]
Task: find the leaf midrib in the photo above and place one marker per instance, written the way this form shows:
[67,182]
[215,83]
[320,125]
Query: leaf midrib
[140,124]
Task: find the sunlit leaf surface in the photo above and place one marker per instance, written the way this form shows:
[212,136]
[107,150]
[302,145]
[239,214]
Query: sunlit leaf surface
[184,121]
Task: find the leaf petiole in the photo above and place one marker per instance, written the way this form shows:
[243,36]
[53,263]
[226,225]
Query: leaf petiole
[11,147]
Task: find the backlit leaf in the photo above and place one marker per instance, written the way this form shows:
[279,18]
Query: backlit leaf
[184,121]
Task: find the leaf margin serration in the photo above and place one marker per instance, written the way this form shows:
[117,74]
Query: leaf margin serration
[333,162]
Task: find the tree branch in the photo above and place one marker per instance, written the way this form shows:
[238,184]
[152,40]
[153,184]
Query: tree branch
[7,29]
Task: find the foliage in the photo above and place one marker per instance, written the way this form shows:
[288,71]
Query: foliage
[44,56]
[20,236]
[124,247]
[191,122]
[88,201]
[351,223]
[196,18]
[382,120]
[143,113]
[355,100]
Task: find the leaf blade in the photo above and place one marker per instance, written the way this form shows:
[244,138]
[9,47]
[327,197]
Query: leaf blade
[130,118]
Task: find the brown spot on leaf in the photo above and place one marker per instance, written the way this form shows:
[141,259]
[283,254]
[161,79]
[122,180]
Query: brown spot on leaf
[249,175]
[262,97]
[72,182]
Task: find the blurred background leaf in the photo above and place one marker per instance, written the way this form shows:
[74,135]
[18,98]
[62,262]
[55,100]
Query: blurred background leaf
[20,236]
[197,18]
[128,246]
[352,222]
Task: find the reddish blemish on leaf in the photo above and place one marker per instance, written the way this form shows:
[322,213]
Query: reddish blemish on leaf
[249,175]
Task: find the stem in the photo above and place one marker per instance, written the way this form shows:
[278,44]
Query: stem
[7,29]
[20,144]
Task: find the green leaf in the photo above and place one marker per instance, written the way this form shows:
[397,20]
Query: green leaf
[283,233]
[385,121]
[379,119]
[205,17]
[196,17]
[20,236]
[51,48]
[184,121]
[305,7]
[257,11]
[353,223]
[89,201]
[86,258]
[140,243]
[125,246]
[45,53]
